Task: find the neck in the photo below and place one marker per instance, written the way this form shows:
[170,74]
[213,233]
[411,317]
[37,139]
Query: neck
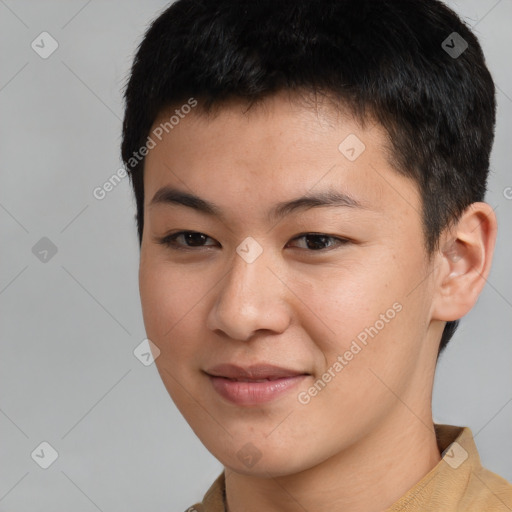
[368,477]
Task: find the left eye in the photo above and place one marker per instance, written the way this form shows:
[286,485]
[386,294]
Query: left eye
[318,241]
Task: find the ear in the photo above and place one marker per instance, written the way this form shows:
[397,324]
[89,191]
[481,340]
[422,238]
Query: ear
[464,262]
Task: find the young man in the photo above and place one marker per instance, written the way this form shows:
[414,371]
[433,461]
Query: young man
[309,179]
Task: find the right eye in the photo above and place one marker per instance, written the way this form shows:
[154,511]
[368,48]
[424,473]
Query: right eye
[186,240]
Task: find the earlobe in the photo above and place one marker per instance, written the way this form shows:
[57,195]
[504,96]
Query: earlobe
[464,262]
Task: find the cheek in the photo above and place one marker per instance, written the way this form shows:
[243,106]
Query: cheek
[379,319]
[171,300]
[173,303]
[343,300]
[364,311]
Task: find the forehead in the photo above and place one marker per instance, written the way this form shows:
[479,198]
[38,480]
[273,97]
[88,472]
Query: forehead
[276,150]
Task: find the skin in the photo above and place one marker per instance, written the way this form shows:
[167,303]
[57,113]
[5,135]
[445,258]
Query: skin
[371,427]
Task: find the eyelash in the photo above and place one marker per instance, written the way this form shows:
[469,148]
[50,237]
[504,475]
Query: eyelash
[170,241]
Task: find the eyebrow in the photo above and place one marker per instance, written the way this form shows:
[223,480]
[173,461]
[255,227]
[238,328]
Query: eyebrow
[328,198]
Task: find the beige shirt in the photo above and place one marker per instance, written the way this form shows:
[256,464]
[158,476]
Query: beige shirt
[457,483]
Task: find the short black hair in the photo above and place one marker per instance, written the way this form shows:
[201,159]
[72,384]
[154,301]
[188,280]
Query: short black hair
[412,65]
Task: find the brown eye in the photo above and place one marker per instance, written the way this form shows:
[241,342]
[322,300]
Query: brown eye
[186,240]
[319,241]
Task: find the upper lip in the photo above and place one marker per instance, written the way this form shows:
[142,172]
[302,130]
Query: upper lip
[253,372]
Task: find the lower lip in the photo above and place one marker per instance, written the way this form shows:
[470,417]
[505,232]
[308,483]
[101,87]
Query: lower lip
[252,393]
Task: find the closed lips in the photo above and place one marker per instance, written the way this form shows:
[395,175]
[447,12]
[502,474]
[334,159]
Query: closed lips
[254,373]
[254,380]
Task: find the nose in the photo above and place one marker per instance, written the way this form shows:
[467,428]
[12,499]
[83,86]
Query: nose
[250,298]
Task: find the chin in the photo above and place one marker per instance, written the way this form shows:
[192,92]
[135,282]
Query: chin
[264,469]
[262,462]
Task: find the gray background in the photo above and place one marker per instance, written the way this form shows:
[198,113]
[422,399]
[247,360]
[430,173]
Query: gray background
[69,325]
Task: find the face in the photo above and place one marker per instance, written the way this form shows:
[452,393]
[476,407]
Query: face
[327,296]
